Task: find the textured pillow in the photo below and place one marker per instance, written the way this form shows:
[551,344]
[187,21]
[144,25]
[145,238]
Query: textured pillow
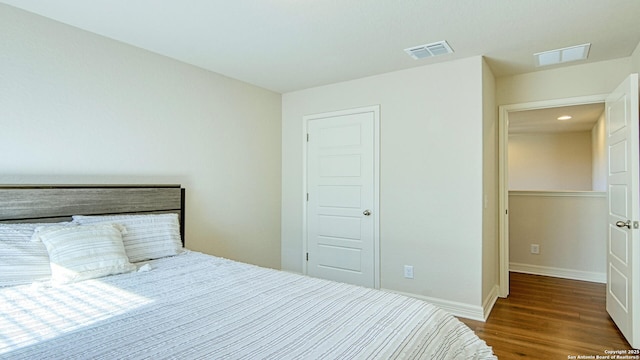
[84,252]
[148,237]
[21,260]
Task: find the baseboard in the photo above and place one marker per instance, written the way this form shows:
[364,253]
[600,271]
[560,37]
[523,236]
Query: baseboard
[558,272]
[466,311]
[489,301]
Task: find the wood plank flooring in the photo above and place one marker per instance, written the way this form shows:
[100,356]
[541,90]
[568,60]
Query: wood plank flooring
[550,318]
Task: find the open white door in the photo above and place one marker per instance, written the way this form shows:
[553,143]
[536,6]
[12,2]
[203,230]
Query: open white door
[623,255]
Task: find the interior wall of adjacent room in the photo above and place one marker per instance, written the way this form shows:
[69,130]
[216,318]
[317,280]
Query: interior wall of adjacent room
[551,161]
[569,229]
[599,151]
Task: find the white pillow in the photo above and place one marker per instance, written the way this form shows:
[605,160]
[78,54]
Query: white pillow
[84,252]
[148,237]
[21,260]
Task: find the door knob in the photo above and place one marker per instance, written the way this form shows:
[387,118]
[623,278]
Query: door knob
[366,213]
[624,224]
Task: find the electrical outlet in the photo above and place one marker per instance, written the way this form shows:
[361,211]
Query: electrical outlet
[408,271]
[535,249]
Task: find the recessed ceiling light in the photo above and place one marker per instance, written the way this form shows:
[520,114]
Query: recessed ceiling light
[564,117]
[558,56]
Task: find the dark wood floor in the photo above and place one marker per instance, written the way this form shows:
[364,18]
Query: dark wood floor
[549,318]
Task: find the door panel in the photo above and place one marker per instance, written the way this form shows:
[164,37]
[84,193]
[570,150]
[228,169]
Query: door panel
[340,227]
[341,184]
[619,287]
[618,157]
[339,196]
[340,166]
[618,245]
[348,135]
[339,258]
[618,201]
[623,256]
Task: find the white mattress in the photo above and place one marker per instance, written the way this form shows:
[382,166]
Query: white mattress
[196,306]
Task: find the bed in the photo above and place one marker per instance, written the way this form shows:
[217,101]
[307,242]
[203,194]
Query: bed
[175,303]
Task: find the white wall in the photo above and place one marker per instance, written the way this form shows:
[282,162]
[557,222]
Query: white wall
[76,107]
[572,241]
[550,161]
[490,246]
[431,174]
[565,82]
[599,155]
[635,60]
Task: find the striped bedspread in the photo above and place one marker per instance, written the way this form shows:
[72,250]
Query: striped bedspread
[196,306]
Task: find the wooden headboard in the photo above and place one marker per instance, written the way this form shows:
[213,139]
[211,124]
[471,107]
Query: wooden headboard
[53,203]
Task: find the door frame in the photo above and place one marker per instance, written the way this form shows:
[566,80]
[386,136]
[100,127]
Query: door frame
[503,173]
[375,109]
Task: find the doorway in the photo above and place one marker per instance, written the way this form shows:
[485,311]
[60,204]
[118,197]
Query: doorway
[503,166]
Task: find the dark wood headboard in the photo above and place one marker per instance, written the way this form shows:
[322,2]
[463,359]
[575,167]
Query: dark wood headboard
[53,203]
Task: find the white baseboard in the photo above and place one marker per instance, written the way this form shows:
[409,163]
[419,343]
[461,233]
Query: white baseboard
[487,304]
[559,272]
[466,311]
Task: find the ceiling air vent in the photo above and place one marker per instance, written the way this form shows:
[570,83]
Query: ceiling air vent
[558,56]
[428,50]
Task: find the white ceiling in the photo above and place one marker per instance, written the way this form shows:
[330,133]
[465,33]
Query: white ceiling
[287,45]
[584,118]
